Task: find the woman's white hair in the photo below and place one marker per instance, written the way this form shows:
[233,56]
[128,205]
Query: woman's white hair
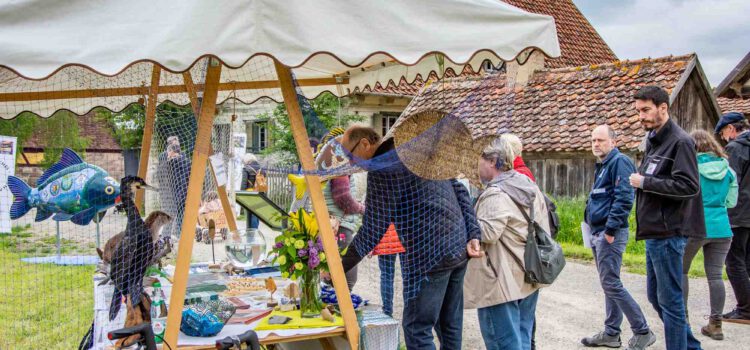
[249,158]
[515,144]
[500,151]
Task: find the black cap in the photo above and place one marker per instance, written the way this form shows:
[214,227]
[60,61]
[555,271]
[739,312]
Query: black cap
[729,118]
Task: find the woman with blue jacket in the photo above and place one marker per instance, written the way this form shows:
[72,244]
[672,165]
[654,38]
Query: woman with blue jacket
[719,190]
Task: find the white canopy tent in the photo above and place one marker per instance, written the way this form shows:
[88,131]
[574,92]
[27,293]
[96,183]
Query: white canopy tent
[80,54]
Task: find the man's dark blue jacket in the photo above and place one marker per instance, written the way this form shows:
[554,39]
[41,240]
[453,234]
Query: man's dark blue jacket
[611,198]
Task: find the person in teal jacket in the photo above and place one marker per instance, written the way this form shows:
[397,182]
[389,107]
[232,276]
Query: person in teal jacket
[719,190]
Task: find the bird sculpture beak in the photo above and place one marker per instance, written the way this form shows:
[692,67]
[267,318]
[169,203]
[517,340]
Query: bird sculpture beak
[149,187]
[118,200]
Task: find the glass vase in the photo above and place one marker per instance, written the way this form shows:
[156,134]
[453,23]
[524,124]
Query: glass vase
[309,303]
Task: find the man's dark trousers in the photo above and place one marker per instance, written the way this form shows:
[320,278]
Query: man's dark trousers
[664,289]
[439,305]
[618,301]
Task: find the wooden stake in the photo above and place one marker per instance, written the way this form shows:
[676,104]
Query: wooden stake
[330,247]
[195,186]
[226,205]
[148,131]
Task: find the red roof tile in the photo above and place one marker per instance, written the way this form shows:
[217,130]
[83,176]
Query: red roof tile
[580,44]
[734,105]
[559,107]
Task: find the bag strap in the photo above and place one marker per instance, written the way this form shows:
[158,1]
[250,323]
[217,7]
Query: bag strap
[520,207]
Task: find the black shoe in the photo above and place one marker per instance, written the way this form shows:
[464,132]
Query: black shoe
[735,316]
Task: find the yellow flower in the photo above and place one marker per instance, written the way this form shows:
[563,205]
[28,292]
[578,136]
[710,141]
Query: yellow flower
[310,223]
[281,259]
[287,241]
[299,266]
[299,244]
[294,220]
[285,275]
[322,257]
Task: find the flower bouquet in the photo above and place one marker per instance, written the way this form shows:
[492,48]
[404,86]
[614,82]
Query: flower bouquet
[299,254]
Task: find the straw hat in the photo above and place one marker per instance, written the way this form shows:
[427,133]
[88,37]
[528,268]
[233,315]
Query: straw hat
[438,146]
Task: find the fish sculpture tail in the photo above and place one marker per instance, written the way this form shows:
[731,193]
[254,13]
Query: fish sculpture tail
[20,192]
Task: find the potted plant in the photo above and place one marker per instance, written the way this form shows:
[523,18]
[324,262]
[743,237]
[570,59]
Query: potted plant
[300,256]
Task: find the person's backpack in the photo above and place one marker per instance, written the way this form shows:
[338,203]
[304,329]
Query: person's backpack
[554,219]
[543,257]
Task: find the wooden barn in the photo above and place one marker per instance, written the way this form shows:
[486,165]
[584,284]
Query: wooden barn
[733,93]
[553,110]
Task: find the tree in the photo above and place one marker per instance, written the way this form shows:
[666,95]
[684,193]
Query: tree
[126,126]
[60,131]
[320,115]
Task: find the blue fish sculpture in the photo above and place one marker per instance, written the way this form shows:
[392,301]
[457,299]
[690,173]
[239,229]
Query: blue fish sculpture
[70,190]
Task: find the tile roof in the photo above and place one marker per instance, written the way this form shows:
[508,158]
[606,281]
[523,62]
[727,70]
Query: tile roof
[559,107]
[101,139]
[580,43]
[734,105]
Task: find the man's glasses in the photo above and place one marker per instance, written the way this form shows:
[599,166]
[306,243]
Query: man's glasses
[355,146]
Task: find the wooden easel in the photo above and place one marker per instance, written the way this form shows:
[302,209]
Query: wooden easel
[202,150]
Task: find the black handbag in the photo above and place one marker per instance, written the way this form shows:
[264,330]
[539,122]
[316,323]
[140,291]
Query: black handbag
[543,256]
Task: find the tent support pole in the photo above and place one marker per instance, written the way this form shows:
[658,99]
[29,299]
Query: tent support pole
[220,190]
[195,186]
[148,131]
[330,247]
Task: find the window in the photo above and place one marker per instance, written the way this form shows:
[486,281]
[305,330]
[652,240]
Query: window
[260,136]
[387,120]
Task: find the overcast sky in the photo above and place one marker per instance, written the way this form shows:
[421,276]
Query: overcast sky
[717,30]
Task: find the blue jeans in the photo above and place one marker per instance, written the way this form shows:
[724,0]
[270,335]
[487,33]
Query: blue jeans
[439,305]
[616,298]
[664,289]
[508,325]
[387,264]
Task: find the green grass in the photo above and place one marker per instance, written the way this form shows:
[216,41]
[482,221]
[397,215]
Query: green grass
[41,305]
[571,210]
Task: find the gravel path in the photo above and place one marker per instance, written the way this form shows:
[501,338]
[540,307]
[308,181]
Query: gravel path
[574,307]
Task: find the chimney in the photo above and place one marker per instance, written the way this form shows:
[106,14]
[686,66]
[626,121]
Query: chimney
[518,75]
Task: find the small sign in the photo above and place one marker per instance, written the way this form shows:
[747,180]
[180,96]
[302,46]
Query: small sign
[7,168]
[220,169]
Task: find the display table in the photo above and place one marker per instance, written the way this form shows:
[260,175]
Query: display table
[378,330]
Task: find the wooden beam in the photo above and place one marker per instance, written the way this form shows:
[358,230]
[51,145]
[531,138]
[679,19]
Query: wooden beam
[195,185]
[148,131]
[330,246]
[166,89]
[220,190]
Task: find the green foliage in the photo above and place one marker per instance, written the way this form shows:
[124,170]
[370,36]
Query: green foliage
[571,210]
[327,108]
[22,127]
[61,131]
[126,126]
[173,120]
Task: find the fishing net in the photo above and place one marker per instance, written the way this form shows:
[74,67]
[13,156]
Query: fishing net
[51,292]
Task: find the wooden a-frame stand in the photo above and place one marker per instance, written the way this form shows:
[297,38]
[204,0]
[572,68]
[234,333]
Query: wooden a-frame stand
[205,114]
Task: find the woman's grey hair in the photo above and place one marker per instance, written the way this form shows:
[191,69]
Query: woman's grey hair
[500,151]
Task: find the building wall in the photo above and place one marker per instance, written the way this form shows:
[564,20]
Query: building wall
[691,108]
[113,163]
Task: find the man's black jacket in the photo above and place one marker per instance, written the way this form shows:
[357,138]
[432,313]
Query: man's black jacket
[669,202]
[739,160]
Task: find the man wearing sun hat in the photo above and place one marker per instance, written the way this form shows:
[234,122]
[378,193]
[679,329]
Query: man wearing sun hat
[733,128]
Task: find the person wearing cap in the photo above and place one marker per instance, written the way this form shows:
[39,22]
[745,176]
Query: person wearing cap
[733,128]
[669,209]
